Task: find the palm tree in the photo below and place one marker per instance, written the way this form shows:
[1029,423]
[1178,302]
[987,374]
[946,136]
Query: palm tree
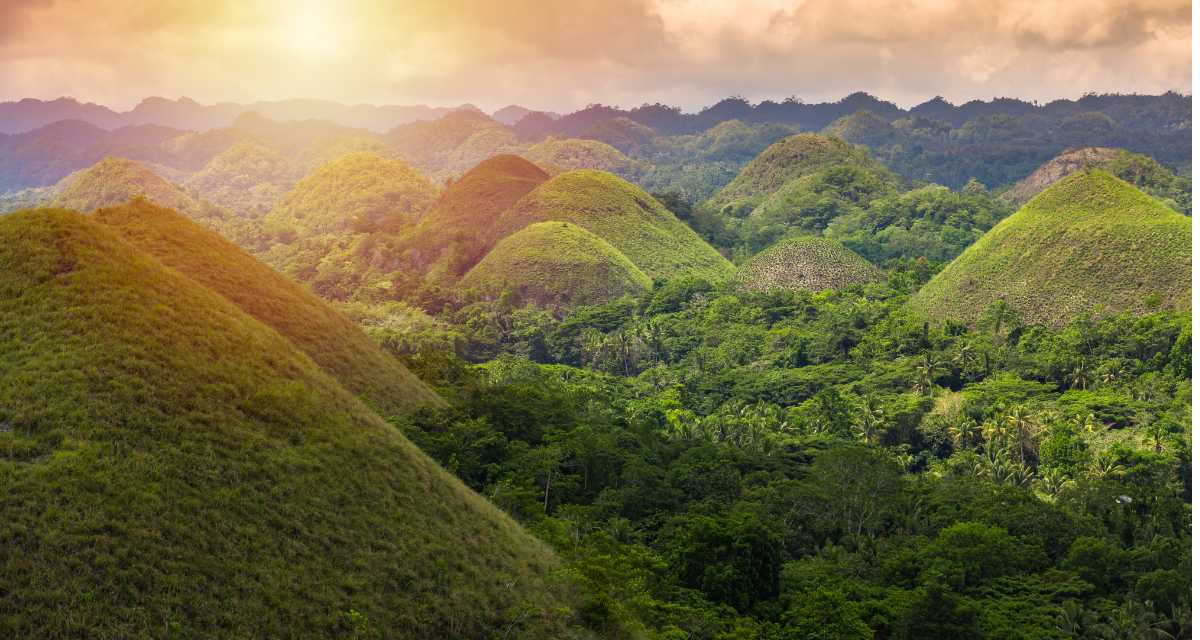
[1110,372]
[1019,475]
[960,434]
[928,369]
[1054,482]
[1079,377]
[1074,620]
[998,429]
[1020,418]
[1083,425]
[1156,435]
[1103,466]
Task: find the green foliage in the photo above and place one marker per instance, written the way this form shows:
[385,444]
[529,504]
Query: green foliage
[115,181]
[734,560]
[247,179]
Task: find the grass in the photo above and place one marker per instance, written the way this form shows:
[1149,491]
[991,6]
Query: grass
[807,263]
[185,471]
[247,177]
[115,180]
[559,262]
[355,185]
[1056,169]
[332,341]
[791,158]
[578,154]
[1089,240]
[625,217]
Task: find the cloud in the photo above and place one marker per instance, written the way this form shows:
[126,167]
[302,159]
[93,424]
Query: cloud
[562,55]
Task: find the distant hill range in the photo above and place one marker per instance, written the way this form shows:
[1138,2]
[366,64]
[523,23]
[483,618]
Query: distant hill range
[1131,111]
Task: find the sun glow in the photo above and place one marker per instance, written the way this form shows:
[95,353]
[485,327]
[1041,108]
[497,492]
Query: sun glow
[311,30]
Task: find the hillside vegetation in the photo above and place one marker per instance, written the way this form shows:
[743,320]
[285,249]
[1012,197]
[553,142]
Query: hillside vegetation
[1090,240]
[356,185]
[786,160]
[335,344]
[623,215]
[1056,169]
[247,178]
[807,264]
[553,262]
[116,180]
[578,154]
[172,466]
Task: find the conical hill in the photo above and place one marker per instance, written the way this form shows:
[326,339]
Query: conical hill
[354,185]
[624,216]
[1056,169]
[116,180]
[333,342]
[1089,240]
[169,462]
[789,159]
[807,263]
[558,262]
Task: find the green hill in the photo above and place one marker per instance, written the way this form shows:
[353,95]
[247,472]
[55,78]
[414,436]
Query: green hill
[807,263]
[116,180]
[1089,240]
[551,168]
[787,160]
[334,343]
[559,262]
[247,177]
[578,154]
[355,185]
[172,466]
[623,215]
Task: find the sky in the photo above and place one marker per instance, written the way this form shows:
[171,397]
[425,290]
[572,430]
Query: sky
[562,55]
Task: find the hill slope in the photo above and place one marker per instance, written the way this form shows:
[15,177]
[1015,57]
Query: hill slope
[786,160]
[347,187]
[171,462]
[247,177]
[1089,240]
[559,262]
[334,343]
[1056,169]
[807,263]
[115,180]
[625,217]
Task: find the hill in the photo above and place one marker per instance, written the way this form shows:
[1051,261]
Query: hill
[1056,169]
[334,343]
[553,262]
[115,180]
[807,263]
[169,462]
[551,168]
[355,185]
[791,158]
[578,154]
[623,215]
[1089,240]
[247,177]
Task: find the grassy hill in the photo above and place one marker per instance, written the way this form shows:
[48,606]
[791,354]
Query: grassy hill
[171,466]
[559,262]
[334,343]
[623,215]
[1089,240]
[116,180]
[791,158]
[807,263]
[578,154]
[355,185]
[247,177]
[1056,169]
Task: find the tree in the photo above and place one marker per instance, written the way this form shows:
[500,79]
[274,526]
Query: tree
[1021,419]
[825,614]
[733,560]
[847,489]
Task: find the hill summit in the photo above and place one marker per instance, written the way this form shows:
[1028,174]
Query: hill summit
[115,180]
[1089,240]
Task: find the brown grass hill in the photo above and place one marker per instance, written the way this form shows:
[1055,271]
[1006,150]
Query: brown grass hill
[334,343]
[355,185]
[1056,169]
[1090,240]
[625,217]
[169,462]
[807,263]
[116,180]
[559,263]
[790,159]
